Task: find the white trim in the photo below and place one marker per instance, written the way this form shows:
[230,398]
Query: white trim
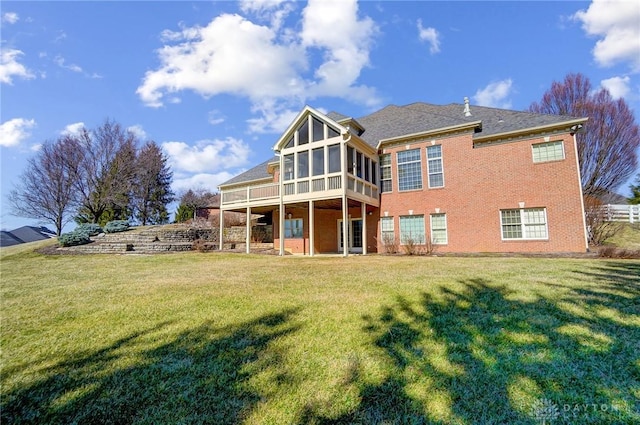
[548,143]
[446,228]
[523,224]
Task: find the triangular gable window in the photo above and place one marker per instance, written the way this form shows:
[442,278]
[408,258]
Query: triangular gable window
[289,143]
[332,132]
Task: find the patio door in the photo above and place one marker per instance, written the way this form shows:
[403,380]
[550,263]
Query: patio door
[355,235]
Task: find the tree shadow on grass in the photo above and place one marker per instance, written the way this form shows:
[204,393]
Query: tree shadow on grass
[199,376]
[485,354]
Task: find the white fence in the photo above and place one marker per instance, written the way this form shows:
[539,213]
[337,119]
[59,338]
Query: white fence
[626,213]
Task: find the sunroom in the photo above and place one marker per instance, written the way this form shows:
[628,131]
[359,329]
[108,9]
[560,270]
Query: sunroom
[320,188]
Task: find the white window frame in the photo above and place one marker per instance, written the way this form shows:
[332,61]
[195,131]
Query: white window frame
[525,224]
[399,165]
[384,166]
[430,172]
[417,239]
[387,228]
[537,147]
[439,229]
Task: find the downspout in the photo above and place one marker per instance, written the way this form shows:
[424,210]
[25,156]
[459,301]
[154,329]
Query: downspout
[575,130]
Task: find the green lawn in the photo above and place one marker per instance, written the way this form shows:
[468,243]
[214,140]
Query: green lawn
[233,338]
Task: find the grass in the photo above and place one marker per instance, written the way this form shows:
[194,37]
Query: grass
[627,238]
[233,338]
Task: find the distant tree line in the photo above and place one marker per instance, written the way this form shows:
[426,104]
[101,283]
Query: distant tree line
[95,176]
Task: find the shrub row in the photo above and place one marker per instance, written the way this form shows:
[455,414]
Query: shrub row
[81,234]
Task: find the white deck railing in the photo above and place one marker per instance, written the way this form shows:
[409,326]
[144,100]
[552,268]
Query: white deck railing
[271,191]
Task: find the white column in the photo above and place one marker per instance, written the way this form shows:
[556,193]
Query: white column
[312,239]
[221,235]
[281,228]
[363,208]
[248,238]
[345,226]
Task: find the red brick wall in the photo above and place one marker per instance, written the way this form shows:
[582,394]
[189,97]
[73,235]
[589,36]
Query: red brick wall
[479,182]
[326,230]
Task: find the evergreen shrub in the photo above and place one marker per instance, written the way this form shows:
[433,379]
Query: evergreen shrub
[92,229]
[77,237]
[116,226]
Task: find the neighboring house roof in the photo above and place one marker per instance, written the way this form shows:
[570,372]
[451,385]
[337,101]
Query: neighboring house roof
[395,121]
[25,234]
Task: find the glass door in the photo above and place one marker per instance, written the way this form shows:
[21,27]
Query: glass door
[355,235]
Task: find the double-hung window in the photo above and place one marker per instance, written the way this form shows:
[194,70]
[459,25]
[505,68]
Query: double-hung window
[409,170]
[385,173]
[412,229]
[439,229]
[524,223]
[386,230]
[434,164]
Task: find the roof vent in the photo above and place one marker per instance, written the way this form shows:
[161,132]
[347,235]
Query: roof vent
[467,109]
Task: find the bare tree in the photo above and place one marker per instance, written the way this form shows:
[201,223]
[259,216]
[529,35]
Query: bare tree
[46,190]
[607,147]
[152,188]
[101,179]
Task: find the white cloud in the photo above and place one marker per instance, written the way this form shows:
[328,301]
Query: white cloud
[14,131]
[138,131]
[10,67]
[73,129]
[617,24]
[274,11]
[60,61]
[207,156]
[618,86]
[10,17]
[271,119]
[215,117]
[267,64]
[345,41]
[430,35]
[495,94]
[202,180]
[209,63]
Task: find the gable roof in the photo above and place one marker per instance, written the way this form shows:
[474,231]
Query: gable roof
[396,121]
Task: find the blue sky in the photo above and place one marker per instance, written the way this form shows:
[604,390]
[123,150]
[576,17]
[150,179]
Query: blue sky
[214,83]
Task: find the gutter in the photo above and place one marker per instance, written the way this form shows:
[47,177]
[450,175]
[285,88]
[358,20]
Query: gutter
[524,131]
[465,126]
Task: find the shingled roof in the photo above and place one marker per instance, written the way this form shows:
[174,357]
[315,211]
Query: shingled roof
[395,121]
[259,172]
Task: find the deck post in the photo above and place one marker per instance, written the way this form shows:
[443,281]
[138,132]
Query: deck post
[363,208]
[345,226]
[311,229]
[248,236]
[221,234]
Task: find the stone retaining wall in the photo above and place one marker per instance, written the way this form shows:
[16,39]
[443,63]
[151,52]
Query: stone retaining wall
[156,239]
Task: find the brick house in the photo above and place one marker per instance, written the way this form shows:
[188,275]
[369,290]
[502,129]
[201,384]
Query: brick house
[452,178]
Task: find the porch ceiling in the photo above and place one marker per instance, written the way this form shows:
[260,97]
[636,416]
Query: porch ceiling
[324,204]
